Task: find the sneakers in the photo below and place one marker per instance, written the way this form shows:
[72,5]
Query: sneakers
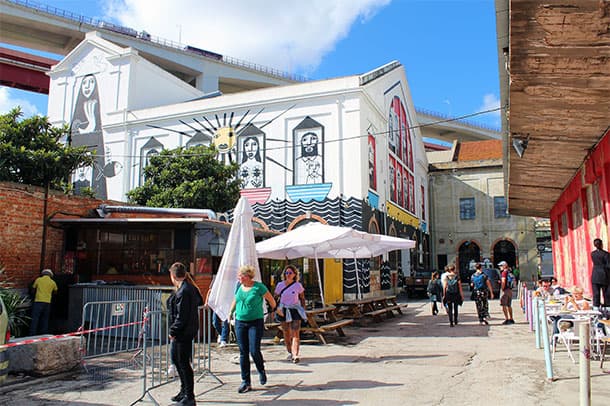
[171,371]
[512,321]
[296,359]
[222,344]
[244,387]
[218,339]
[187,402]
[262,376]
[289,357]
[505,322]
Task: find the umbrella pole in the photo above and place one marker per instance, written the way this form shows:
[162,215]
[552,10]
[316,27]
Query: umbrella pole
[357,277]
[315,254]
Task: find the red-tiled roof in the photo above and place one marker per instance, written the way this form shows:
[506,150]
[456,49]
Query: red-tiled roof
[479,150]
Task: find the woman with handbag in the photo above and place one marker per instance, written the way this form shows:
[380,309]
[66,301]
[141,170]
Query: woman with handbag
[290,296]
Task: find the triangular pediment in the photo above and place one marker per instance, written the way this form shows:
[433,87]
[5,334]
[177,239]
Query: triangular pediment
[95,52]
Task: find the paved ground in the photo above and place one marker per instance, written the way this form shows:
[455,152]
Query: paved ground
[415,359]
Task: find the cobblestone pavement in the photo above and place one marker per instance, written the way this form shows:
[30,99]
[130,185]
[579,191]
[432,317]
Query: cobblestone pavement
[413,359]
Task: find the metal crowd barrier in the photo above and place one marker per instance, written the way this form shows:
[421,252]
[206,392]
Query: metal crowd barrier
[155,356]
[116,327]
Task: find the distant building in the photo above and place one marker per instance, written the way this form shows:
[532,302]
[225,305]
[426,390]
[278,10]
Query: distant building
[469,220]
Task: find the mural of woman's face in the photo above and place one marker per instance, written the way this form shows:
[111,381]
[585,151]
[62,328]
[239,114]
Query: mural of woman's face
[251,147]
[88,86]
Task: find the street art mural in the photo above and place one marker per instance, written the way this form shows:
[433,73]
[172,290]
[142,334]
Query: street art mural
[402,181]
[308,138]
[86,130]
[252,157]
[372,163]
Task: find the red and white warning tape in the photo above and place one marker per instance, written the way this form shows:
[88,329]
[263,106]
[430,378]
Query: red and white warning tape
[76,333]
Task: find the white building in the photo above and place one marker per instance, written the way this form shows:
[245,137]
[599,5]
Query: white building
[343,151]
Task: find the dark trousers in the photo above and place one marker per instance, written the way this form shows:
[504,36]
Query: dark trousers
[599,290]
[221,327]
[452,311]
[249,335]
[180,352]
[40,318]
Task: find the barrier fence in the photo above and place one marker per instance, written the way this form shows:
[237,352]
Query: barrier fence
[126,334]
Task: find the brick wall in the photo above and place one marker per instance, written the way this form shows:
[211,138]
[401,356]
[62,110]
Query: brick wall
[21,221]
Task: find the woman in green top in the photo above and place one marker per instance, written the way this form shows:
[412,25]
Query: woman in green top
[249,325]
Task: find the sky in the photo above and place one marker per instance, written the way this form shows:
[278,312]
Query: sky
[448,47]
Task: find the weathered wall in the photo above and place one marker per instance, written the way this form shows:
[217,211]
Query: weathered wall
[21,225]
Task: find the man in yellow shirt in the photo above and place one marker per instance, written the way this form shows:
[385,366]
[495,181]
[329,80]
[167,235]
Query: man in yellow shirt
[45,287]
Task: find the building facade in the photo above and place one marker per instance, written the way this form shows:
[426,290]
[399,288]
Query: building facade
[469,220]
[343,151]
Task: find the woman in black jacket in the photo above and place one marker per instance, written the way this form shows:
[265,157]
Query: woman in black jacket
[184,324]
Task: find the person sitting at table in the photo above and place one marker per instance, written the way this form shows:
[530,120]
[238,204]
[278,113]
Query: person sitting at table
[545,291]
[557,289]
[576,301]
[290,296]
[573,302]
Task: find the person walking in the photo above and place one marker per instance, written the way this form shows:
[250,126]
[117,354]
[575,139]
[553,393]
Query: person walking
[435,292]
[482,290]
[290,296]
[183,326]
[600,276]
[44,287]
[506,295]
[453,295]
[249,324]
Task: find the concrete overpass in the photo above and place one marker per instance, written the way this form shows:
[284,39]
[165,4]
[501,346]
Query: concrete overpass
[57,31]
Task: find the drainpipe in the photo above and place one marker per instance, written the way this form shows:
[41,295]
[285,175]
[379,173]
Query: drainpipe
[43,248]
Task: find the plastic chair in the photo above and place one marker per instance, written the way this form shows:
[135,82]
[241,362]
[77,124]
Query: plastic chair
[566,336]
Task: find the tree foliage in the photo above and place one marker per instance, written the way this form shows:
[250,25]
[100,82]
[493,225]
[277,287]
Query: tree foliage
[31,151]
[188,178]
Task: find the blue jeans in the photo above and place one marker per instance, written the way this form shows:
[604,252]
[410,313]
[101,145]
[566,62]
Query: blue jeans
[40,318]
[249,335]
[221,327]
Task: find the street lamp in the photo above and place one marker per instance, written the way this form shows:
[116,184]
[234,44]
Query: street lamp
[217,244]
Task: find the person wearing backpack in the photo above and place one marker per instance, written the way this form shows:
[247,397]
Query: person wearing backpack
[506,297]
[453,296]
[481,289]
[435,292]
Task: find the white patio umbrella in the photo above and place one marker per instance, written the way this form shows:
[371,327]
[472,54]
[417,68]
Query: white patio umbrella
[316,240]
[239,250]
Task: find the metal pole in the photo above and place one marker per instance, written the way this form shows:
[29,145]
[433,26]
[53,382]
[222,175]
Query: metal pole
[545,335]
[584,377]
[537,322]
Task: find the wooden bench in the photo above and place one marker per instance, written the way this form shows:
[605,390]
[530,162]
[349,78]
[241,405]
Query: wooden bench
[334,324]
[376,314]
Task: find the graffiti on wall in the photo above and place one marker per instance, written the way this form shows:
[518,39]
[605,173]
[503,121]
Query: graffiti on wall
[308,138]
[401,179]
[86,130]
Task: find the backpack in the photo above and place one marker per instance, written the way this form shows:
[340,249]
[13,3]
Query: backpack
[510,280]
[479,281]
[452,286]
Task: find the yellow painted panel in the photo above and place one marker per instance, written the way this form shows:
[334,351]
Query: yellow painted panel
[333,280]
[399,214]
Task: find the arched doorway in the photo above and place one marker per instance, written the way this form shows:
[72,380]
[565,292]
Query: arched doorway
[505,251]
[469,251]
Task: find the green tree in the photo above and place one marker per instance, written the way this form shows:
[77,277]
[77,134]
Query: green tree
[189,178]
[31,152]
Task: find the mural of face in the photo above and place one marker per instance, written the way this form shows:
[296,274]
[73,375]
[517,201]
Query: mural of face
[251,148]
[309,145]
[224,139]
[88,86]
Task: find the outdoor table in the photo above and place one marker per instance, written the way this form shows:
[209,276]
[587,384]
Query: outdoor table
[324,320]
[373,307]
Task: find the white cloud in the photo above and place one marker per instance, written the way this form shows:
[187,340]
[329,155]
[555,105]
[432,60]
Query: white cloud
[289,35]
[490,102]
[8,102]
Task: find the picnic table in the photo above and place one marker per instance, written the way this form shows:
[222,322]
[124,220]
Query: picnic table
[374,307]
[323,320]
[319,322]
